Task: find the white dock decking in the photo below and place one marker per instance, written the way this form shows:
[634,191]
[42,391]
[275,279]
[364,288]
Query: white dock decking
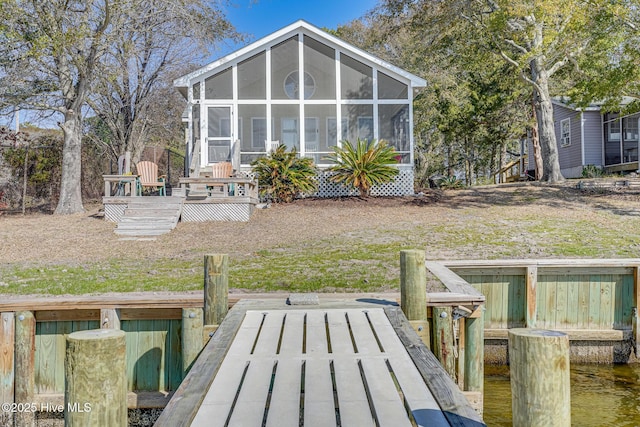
[326,367]
[318,367]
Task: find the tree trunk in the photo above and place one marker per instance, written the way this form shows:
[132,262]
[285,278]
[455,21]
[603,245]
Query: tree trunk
[544,114]
[535,142]
[70,201]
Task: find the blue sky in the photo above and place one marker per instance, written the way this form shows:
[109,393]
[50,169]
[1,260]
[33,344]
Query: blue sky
[259,18]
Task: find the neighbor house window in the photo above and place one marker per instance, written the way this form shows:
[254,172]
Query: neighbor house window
[565,132]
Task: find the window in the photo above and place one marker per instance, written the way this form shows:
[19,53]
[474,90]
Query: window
[219,86]
[252,77]
[292,86]
[565,132]
[258,132]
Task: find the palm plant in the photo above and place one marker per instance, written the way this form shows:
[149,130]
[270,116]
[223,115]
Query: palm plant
[364,165]
[282,175]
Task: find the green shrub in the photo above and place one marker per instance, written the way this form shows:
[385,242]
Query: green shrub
[592,171]
[364,165]
[450,183]
[282,175]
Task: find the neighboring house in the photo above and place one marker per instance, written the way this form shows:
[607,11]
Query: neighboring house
[589,137]
[303,88]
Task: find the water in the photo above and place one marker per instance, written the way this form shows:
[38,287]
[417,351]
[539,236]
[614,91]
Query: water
[601,396]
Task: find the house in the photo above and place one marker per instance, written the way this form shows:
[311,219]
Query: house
[588,136]
[305,89]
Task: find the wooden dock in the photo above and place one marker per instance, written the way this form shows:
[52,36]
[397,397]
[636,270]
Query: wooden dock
[350,364]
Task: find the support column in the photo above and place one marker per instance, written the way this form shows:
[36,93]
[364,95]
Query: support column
[540,387]
[413,291]
[95,379]
[25,366]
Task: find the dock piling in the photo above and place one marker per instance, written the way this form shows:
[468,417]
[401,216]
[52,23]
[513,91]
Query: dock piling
[95,378]
[413,291]
[540,388]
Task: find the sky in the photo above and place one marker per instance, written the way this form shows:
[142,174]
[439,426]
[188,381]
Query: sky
[259,18]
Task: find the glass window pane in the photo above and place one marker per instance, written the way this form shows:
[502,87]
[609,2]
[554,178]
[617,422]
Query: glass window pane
[356,79]
[252,126]
[612,152]
[390,88]
[319,62]
[393,121]
[219,86]
[284,60]
[320,131]
[196,91]
[252,77]
[360,121]
[286,127]
[219,124]
[218,151]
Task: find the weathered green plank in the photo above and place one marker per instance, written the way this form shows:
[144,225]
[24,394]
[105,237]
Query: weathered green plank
[561,302]
[161,328]
[46,357]
[552,291]
[131,338]
[594,301]
[606,301]
[541,303]
[147,366]
[573,300]
[583,302]
[63,328]
[517,301]
[174,355]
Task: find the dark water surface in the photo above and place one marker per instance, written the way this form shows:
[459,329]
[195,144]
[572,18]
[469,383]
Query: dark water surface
[601,395]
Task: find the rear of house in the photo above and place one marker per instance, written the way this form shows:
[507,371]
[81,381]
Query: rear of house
[303,88]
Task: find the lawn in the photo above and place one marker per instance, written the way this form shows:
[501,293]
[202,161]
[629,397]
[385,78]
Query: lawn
[335,245]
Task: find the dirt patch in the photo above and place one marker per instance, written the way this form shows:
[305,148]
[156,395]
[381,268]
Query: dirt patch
[41,239]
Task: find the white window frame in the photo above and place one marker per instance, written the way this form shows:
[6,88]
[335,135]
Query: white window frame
[565,132]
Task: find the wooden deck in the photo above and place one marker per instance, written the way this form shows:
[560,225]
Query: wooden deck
[350,366]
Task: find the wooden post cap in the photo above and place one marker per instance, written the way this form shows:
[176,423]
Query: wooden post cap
[96,334]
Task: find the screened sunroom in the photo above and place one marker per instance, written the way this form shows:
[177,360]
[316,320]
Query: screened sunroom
[302,88]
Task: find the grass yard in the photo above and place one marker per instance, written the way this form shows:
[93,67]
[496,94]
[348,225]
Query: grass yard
[336,245]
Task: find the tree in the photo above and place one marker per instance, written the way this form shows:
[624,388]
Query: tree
[154,46]
[536,39]
[54,51]
[51,52]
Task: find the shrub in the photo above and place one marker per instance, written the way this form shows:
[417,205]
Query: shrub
[449,183]
[592,171]
[364,165]
[282,175]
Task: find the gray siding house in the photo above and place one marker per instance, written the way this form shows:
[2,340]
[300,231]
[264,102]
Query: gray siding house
[589,137]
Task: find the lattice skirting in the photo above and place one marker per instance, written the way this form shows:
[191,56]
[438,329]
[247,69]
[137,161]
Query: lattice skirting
[401,186]
[114,211]
[200,212]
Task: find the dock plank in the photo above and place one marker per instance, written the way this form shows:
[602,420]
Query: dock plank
[284,409]
[319,409]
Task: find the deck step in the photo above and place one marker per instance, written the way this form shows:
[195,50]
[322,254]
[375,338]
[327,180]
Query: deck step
[150,216]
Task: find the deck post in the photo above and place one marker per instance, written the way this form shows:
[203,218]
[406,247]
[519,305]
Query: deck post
[443,339]
[474,351]
[191,337]
[7,346]
[216,288]
[540,388]
[25,342]
[110,318]
[413,291]
[635,320]
[531,283]
[95,378]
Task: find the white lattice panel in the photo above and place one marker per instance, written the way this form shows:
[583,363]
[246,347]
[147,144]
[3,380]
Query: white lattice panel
[401,186]
[114,211]
[200,212]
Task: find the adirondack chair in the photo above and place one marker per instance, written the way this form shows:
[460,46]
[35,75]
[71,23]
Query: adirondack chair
[148,177]
[220,170]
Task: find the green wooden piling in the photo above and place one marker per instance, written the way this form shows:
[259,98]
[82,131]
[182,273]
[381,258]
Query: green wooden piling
[443,341]
[413,291]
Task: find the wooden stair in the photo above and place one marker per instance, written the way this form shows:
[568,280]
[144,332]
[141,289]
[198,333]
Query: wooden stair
[150,216]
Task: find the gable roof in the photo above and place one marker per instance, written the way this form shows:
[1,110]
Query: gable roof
[285,33]
[594,106]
